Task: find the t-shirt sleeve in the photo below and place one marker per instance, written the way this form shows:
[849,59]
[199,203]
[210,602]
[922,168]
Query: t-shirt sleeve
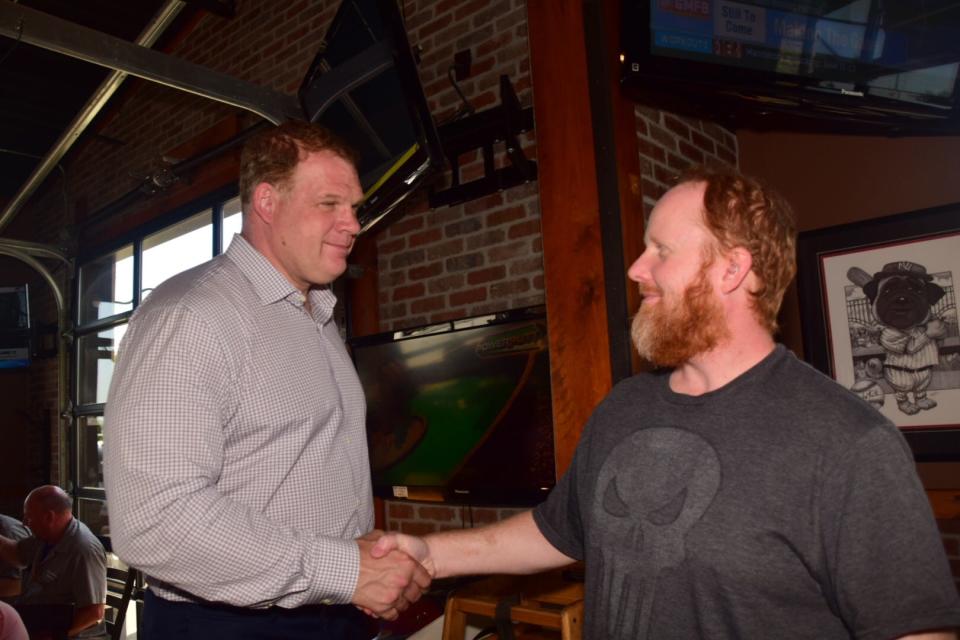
[886,564]
[90,584]
[559,516]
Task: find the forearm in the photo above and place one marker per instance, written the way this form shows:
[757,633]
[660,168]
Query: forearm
[931,635]
[8,552]
[85,617]
[513,546]
[198,540]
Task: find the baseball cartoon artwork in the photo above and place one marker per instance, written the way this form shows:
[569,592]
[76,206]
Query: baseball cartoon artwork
[907,324]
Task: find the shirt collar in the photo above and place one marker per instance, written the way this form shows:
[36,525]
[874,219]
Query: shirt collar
[271,286]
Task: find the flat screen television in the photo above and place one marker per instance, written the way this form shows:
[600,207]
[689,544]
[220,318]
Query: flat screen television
[883,67]
[14,327]
[363,84]
[461,411]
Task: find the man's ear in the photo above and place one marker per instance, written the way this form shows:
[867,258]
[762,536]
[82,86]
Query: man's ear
[264,202]
[736,266]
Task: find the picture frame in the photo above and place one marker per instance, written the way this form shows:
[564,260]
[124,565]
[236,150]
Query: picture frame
[862,287]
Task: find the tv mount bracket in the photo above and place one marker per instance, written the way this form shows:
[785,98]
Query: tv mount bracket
[483,130]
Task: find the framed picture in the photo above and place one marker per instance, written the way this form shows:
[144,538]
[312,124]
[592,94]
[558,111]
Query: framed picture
[878,307]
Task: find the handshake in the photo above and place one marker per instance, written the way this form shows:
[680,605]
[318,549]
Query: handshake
[395,570]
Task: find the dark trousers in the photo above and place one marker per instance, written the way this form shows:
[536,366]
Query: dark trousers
[166,620]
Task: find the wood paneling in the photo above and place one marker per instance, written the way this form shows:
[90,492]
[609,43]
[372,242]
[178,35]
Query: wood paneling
[573,259]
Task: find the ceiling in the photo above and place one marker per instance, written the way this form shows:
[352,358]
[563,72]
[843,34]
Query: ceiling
[41,91]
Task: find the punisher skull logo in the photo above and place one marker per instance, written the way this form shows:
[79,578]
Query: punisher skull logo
[652,488]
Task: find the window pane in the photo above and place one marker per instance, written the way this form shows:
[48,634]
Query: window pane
[175,249]
[90,441]
[96,355]
[231,221]
[106,286]
[93,513]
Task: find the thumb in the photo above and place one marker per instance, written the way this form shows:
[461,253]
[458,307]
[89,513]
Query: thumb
[384,545]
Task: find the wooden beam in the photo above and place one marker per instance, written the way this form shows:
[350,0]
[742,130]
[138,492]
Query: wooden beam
[569,203]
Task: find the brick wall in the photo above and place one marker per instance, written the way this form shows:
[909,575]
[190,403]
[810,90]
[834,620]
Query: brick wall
[484,255]
[420,519]
[670,143]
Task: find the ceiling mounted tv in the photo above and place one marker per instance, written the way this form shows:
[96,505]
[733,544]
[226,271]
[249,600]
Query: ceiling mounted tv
[886,67]
[461,411]
[363,84]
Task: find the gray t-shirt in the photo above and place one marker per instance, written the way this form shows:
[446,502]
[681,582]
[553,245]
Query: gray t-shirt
[779,506]
[72,571]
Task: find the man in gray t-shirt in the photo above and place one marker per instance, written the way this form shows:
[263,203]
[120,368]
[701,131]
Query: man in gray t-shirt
[736,492]
[65,575]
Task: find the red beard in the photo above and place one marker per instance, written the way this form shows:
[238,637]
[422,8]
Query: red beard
[669,335]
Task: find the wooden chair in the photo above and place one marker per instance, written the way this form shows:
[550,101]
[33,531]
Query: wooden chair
[546,606]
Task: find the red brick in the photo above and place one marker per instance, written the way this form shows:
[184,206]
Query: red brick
[424,237]
[507,251]
[486,275]
[445,249]
[425,305]
[483,204]
[480,516]
[391,246]
[453,32]
[703,142]
[505,215]
[446,283]
[526,265]
[691,152]
[493,44]
[676,161]
[492,12]
[649,150]
[406,259]
[528,228]
[471,296]
[485,239]
[444,514]
[399,510]
[676,125]
[410,291]
[510,287]
[426,271]
[433,27]
[406,225]
[516,17]
[663,137]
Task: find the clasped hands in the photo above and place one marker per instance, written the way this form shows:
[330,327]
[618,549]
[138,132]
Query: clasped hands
[395,570]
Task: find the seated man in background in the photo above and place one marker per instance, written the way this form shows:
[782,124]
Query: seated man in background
[10,574]
[65,565]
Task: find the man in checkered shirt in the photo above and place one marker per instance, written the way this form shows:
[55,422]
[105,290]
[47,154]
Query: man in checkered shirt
[236,464]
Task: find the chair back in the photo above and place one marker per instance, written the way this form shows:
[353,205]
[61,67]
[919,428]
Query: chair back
[124,585]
